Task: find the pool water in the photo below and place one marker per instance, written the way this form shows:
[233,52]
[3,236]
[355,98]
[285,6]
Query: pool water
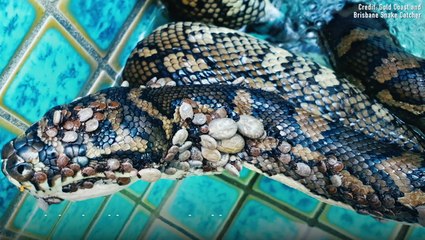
[56,50]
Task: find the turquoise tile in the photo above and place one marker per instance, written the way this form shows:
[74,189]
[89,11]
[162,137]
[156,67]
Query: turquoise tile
[138,188]
[17,18]
[76,219]
[136,224]
[8,191]
[317,234]
[115,215]
[157,191]
[416,233]
[100,20]
[53,74]
[292,198]
[152,17]
[159,230]
[257,220]
[201,204]
[102,82]
[356,225]
[42,223]
[6,134]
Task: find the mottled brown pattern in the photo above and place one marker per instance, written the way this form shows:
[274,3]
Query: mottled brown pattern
[351,182]
[242,102]
[365,49]
[306,154]
[391,65]
[398,168]
[235,57]
[311,125]
[386,96]
[358,35]
[167,124]
[415,198]
[230,13]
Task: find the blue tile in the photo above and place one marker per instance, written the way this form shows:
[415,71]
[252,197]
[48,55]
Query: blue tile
[42,223]
[102,82]
[291,197]
[76,219]
[53,74]
[201,205]
[17,18]
[101,20]
[159,230]
[157,192]
[136,224]
[357,225]
[318,234]
[115,215]
[416,233]
[8,191]
[138,188]
[256,220]
[153,16]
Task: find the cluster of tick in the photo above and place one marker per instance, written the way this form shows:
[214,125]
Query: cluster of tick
[209,140]
[67,131]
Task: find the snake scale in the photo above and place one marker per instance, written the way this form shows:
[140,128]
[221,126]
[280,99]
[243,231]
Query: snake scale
[215,99]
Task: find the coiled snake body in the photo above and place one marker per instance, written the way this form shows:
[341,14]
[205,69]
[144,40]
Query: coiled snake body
[219,99]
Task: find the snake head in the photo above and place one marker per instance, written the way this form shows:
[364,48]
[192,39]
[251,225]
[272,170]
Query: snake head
[92,147]
[23,165]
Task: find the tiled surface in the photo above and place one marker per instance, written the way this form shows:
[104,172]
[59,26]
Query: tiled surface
[53,72]
[204,211]
[17,20]
[136,224]
[149,18]
[99,20]
[290,197]
[360,226]
[117,210]
[56,50]
[35,221]
[7,191]
[84,212]
[161,230]
[416,233]
[259,220]
[157,192]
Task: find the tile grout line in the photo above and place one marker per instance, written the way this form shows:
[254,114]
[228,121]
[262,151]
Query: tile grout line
[103,62]
[311,222]
[52,10]
[29,39]
[156,214]
[246,191]
[96,217]
[402,232]
[14,63]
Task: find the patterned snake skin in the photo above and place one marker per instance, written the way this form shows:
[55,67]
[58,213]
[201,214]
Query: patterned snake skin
[217,99]
[365,50]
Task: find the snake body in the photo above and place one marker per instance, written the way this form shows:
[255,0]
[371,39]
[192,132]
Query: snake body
[366,51]
[217,99]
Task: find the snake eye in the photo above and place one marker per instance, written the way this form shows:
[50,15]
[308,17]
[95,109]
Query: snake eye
[22,172]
